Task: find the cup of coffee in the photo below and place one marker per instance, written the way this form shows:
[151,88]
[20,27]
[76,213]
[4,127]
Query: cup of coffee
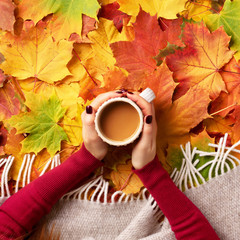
[119,121]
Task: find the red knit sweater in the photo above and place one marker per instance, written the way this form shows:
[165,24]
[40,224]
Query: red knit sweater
[25,208]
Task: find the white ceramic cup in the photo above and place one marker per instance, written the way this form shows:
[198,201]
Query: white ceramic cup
[147,94]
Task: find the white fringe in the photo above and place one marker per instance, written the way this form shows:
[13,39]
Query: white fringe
[186,177]
[222,162]
[24,175]
[4,179]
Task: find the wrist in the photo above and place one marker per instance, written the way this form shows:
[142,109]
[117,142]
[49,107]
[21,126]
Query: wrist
[141,164]
[92,150]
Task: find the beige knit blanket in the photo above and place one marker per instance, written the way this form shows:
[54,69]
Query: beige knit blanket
[134,217]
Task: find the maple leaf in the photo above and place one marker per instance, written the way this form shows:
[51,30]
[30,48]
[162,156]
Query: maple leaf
[3,78]
[89,24]
[3,138]
[39,163]
[105,2]
[229,18]
[226,102]
[201,142]
[85,67]
[67,92]
[196,10]
[111,12]
[67,14]
[176,122]
[199,63]
[120,81]
[35,54]
[161,8]
[7,15]
[67,150]
[106,34]
[175,155]
[9,101]
[41,124]
[125,180]
[146,46]
[236,127]
[13,147]
[73,127]
[218,124]
[161,82]
[116,156]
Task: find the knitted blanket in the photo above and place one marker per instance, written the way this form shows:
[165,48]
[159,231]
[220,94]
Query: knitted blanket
[138,217]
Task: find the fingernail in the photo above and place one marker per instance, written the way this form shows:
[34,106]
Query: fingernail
[149,119]
[89,109]
[119,91]
[124,90]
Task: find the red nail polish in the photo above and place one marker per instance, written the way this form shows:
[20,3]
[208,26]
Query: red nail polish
[89,109]
[149,119]
[119,91]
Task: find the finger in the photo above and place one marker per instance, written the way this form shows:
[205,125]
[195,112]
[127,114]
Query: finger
[100,99]
[88,116]
[148,132]
[142,103]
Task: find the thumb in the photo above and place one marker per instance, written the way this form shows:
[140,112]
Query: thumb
[88,118]
[147,133]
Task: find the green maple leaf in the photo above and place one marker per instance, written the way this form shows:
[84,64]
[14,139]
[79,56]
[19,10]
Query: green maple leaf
[229,18]
[41,124]
[67,14]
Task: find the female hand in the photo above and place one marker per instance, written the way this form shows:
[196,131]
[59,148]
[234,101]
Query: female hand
[93,143]
[145,150]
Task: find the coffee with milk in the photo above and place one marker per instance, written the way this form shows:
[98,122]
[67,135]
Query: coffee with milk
[119,121]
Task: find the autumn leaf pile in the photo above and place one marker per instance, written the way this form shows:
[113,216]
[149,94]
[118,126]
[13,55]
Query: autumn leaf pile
[56,56]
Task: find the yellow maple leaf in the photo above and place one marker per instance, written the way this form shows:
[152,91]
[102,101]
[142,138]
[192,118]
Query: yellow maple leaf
[67,15]
[73,127]
[84,65]
[13,147]
[163,8]
[67,92]
[35,54]
[125,180]
[197,9]
[106,34]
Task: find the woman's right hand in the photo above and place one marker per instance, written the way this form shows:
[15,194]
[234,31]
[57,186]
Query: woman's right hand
[93,143]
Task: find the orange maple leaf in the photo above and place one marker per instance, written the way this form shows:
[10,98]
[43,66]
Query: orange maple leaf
[226,102]
[161,82]
[200,62]
[138,55]
[9,103]
[7,15]
[125,180]
[175,123]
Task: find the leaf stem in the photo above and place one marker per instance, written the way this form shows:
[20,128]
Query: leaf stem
[126,182]
[201,5]
[234,104]
[70,125]
[85,67]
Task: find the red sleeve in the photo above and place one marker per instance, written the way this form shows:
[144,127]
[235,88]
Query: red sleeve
[186,220]
[25,208]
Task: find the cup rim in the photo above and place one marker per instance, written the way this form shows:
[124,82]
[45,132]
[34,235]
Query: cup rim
[134,136]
